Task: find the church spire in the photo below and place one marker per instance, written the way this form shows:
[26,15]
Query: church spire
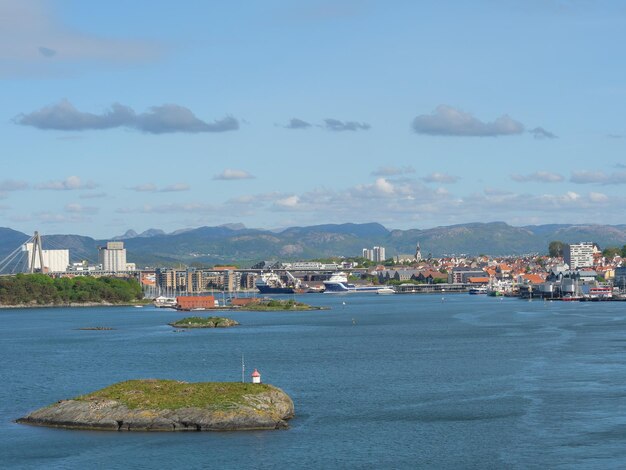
[418,252]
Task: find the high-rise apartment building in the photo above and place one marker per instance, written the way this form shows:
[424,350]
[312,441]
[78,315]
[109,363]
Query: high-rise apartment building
[379,254]
[579,255]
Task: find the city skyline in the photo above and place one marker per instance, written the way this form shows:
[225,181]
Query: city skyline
[417,114]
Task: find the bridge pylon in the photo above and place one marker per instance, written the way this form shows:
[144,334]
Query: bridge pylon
[37,253]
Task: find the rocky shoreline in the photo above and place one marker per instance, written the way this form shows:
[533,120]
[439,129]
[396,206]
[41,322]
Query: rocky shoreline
[75,304]
[257,407]
[204,322]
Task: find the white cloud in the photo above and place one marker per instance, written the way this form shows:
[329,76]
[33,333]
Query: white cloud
[75,208]
[153,188]
[538,176]
[54,218]
[167,118]
[393,171]
[296,123]
[443,178]
[176,187]
[93,195]
[144,188]
[449,121]
[33,40]
[191,207]
[13,185]
[384,186]
[336,125]
[598,177]
[68,184]
[232,174]
[541,133]
[289,201]
[402,201]
[598,197]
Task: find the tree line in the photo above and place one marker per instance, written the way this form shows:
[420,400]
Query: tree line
[557,248]
[43,290]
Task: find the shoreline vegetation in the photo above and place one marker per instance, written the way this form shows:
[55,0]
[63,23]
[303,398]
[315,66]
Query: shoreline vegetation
[270,305]
[170,405]
[40,290]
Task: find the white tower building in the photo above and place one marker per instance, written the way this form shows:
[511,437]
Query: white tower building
[54,261]
[579,255]
[113,257]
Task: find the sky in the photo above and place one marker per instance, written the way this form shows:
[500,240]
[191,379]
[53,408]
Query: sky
[125,115]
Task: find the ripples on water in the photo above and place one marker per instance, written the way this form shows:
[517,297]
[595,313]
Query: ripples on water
[380,382]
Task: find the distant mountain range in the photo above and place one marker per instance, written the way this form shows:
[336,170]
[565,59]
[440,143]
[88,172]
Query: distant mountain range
[236,243]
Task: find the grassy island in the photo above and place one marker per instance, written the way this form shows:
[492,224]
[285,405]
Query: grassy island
[173,395]
[277,305]
[204,322]
[170,405]
[42,290]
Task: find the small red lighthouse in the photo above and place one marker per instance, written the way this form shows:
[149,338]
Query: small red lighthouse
[256,377]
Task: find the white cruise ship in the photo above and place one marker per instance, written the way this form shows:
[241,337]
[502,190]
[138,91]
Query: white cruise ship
[338,283]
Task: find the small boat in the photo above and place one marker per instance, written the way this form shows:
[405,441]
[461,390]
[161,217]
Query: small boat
[165,302]
[478,290]
[385,291]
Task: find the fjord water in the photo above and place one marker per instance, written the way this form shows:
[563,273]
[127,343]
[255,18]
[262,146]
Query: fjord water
[378,381]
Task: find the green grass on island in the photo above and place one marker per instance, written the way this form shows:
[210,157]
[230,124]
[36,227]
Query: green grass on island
[154,394]
[278,305]
[204,322]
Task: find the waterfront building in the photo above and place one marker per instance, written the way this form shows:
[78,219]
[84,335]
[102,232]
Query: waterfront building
[195,302]
[112,257]
[619,280]
[309,266]
[580,255]
[54,261]
[232,280]
[460,275]
[248,280]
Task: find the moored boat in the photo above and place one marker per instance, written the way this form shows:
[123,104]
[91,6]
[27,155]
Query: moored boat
[338,283]
[165,302]
[271,283]
[478,290]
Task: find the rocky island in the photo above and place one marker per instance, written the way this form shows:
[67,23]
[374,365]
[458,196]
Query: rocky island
[274,305]
[204,322]
[170,405]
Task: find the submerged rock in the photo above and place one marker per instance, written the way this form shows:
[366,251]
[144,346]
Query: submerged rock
[166,405]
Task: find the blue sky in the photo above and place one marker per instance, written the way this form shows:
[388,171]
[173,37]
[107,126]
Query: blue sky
[143,114]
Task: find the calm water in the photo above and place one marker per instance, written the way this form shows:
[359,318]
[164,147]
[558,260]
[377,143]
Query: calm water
[382,381]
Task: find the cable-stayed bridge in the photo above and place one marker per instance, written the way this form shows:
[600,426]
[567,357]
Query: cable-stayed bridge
[26,258]
[41,254]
